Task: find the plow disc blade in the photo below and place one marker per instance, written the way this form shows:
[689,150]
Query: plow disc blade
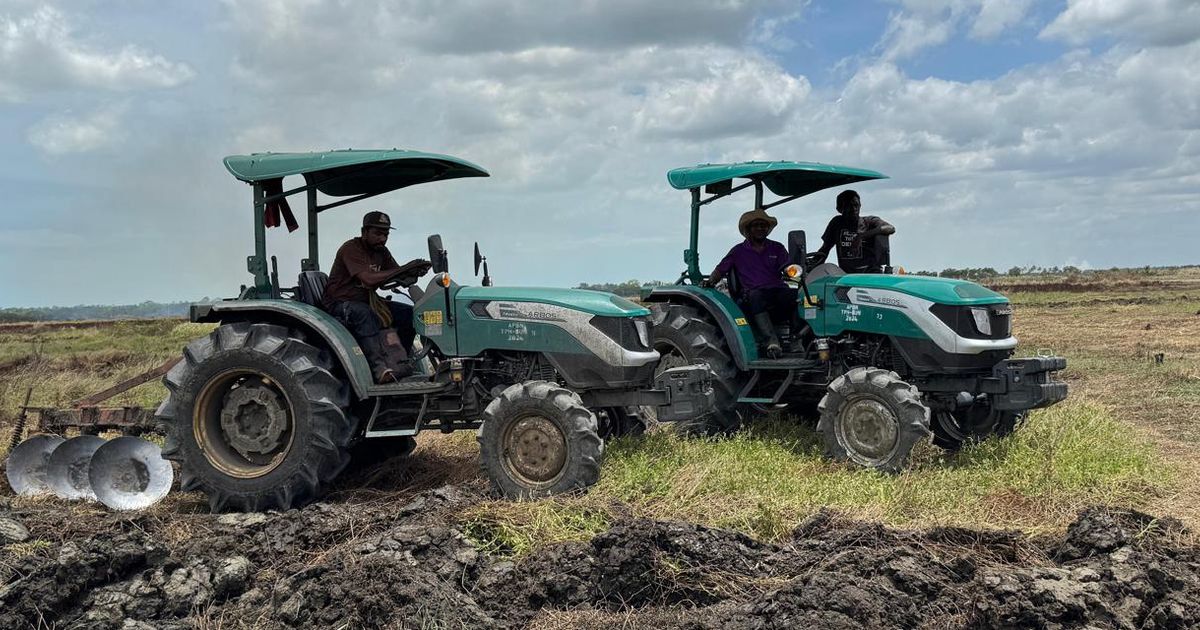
[68,469]
[129,473]
[28,462]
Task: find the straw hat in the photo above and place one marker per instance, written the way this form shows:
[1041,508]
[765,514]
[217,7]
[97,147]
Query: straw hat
[757,214]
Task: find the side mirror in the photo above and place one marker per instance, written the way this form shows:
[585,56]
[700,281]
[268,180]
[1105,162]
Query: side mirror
[437,255]
[479,258]
[797,247]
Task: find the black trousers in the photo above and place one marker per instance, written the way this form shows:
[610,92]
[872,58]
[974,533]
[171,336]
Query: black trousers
[780,302]
[364,323]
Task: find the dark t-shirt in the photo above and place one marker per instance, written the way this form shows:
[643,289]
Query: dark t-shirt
[353,258]
[841,232]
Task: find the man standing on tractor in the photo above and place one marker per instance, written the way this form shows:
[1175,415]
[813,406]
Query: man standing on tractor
[382,327]
[758,263]
[858,249]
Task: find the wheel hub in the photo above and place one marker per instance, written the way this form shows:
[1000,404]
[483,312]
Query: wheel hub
[868,430]
[536,449]
[671,358]
[253,420]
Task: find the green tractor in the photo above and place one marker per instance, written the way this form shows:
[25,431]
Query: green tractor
[269,408]
[885,359]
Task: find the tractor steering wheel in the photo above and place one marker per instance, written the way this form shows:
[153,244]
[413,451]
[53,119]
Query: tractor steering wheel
[396,282]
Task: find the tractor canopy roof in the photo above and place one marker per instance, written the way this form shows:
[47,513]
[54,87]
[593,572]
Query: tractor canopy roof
[785,179]
[353,171]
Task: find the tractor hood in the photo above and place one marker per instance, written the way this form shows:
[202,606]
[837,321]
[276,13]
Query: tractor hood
[592,302]
[939,290]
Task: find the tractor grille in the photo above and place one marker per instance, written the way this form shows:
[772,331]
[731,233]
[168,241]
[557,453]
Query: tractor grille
[986,321]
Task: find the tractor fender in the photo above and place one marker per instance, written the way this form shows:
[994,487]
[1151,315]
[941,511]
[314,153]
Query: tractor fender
[727,314]
[298,315]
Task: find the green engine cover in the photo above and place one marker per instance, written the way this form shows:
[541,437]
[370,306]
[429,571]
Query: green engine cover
[526,319]
[886,304]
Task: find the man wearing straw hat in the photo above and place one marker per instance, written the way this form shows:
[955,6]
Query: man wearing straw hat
[759,262]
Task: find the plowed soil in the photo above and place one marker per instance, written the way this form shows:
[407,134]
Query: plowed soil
[359,563]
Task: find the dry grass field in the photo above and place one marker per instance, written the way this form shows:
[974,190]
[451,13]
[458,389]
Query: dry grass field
[1129,435]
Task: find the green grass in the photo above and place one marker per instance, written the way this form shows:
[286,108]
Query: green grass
[1095,448]
[765,481]
[63,364]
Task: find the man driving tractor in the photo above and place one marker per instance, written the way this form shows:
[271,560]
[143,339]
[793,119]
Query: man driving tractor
[859,251]
[758,262]
[384,329]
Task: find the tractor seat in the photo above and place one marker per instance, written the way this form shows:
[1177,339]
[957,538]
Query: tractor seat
[825,270]
[311,287]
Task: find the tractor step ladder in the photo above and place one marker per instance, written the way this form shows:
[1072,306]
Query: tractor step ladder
[418,384]
[774,399]
[783,364]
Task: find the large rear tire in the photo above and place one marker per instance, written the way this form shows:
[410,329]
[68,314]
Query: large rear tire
[685,336]
[256,418]
[951,429]
[618,422]
[538,439]
[872,418]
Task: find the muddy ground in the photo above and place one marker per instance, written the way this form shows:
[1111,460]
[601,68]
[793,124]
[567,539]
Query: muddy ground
[364,563]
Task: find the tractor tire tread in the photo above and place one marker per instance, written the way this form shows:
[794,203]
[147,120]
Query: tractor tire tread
[330,426]
[912,416]
[579,427]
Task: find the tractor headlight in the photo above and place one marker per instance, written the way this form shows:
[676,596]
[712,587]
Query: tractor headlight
[983,321]
[643,331]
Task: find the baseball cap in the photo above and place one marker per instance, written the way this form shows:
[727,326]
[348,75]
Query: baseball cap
[377,219]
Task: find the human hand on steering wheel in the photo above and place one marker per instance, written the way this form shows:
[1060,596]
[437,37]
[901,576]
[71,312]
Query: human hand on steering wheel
[407,274]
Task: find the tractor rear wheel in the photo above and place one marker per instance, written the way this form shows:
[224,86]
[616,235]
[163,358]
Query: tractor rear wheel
[615,422]
[951,429]
[872,418]
[538,439]
[685,336]
[256,418]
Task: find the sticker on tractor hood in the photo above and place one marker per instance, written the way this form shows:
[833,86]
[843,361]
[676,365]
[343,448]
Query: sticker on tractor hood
[866,297]
[576,323]
[524,310]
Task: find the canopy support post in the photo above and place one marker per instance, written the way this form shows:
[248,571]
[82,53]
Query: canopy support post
[312,263]
[692,255]
[257,264]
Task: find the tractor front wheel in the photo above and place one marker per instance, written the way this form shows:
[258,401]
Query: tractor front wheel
[872,418]
[538,439]
[255,418]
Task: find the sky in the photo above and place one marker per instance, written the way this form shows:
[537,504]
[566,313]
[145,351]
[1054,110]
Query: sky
[1014,132]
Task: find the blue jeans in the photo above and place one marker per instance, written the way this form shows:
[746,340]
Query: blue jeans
[363,323]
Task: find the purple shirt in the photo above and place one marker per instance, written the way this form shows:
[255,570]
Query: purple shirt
[756,270]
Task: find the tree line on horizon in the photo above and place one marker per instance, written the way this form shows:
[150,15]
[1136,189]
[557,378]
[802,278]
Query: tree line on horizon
[629,289]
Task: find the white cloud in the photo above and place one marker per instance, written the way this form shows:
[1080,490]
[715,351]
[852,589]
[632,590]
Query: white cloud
[922,24]
[996,16]
[67,133]
[1082,157]
[735,98]
[42,51]
[1153,22]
